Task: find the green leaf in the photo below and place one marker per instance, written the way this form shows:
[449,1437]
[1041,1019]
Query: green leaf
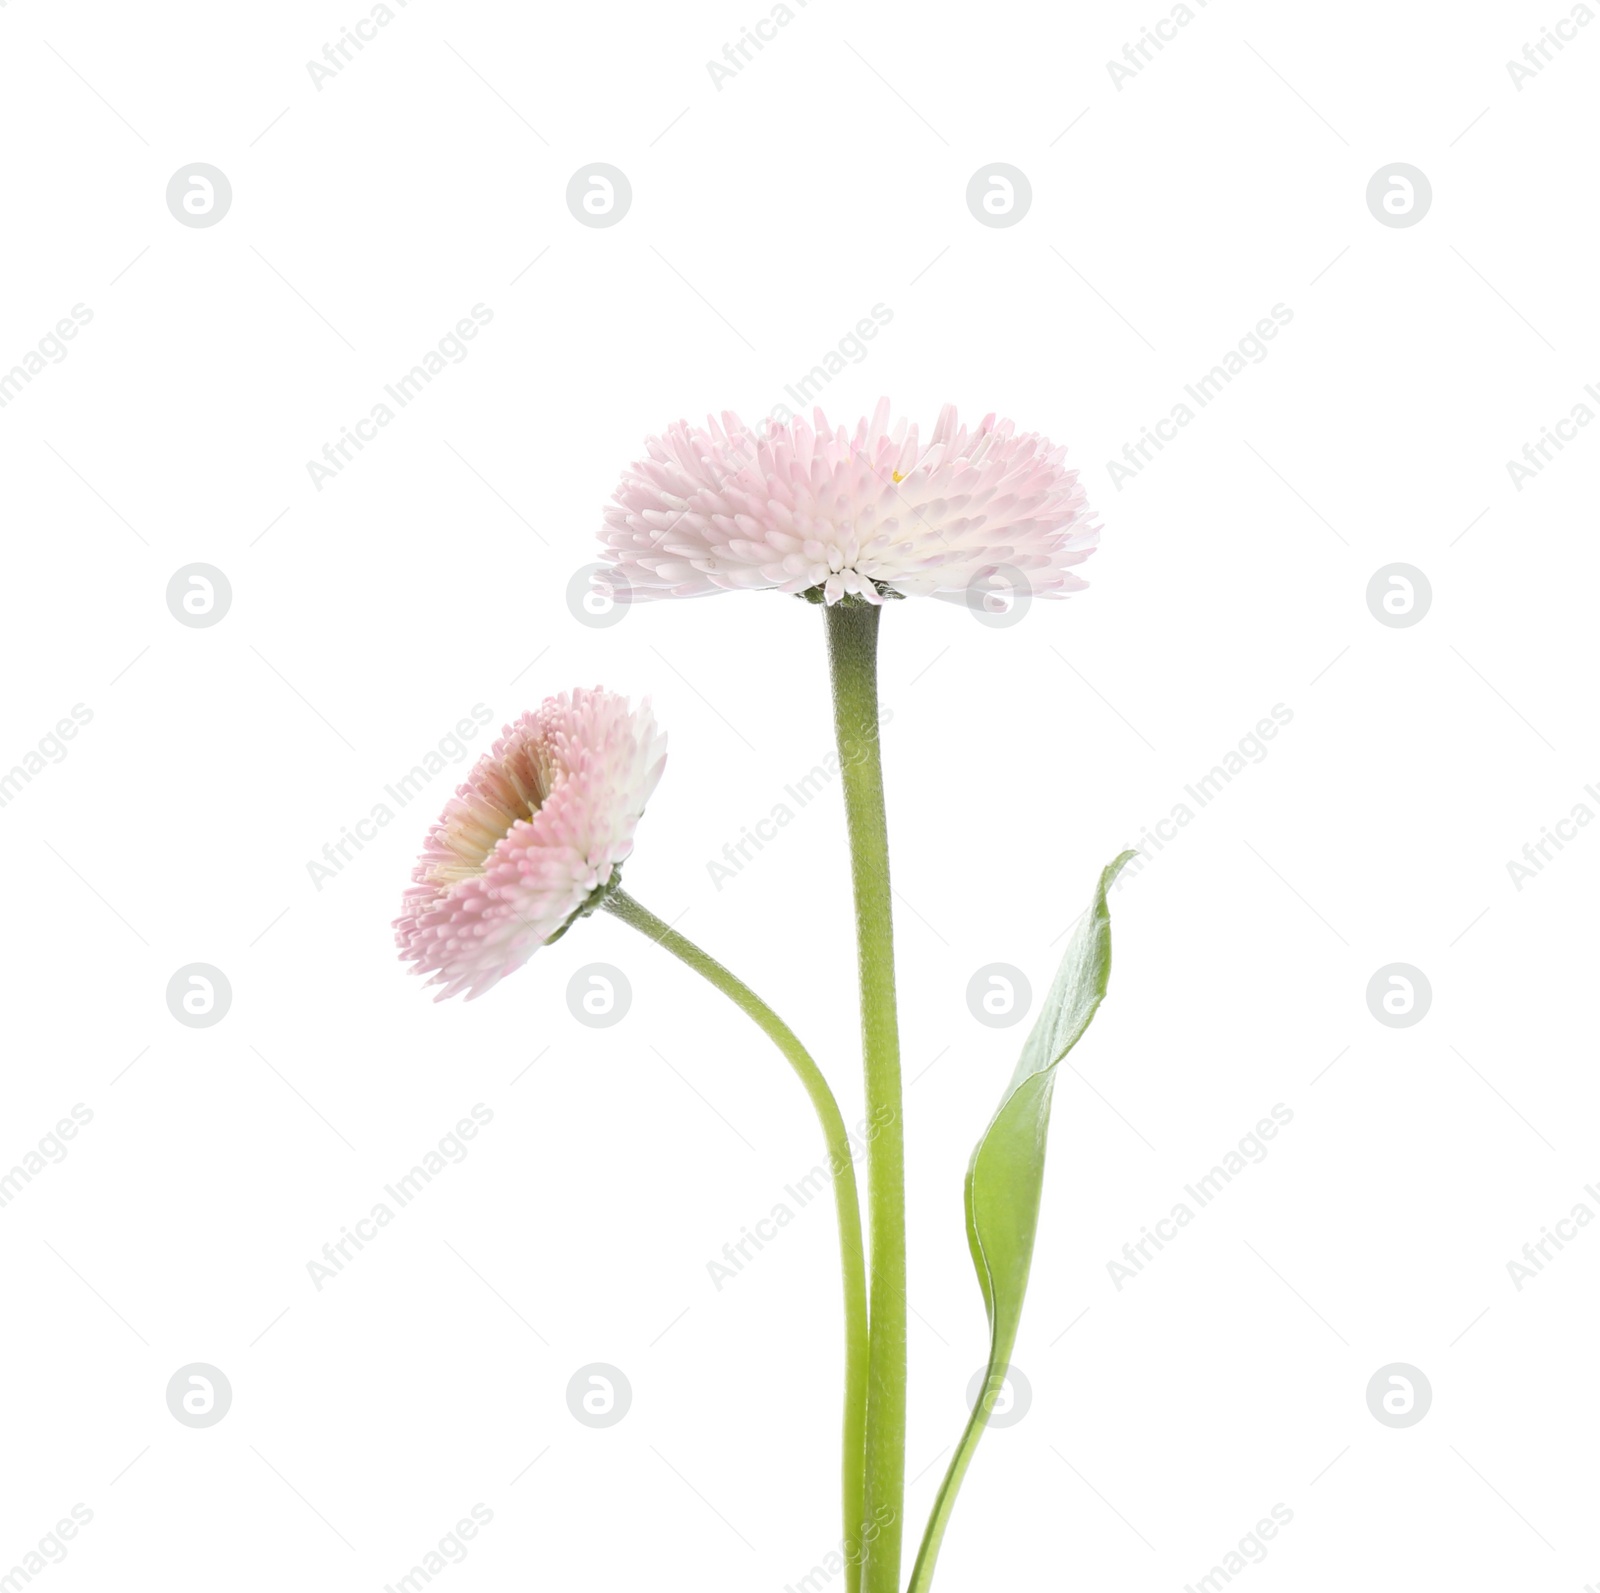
[1005,1180]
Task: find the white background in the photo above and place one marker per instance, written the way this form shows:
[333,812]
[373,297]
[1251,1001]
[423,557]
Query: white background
[768,216]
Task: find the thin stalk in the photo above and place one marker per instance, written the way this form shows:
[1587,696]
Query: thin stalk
[841,1163]
[945,1500]
[853,664]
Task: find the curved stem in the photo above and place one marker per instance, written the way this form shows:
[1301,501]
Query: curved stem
[841,1164]
[945,1500]
[853,664]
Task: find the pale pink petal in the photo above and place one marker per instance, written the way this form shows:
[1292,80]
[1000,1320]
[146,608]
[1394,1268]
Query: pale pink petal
[796,507]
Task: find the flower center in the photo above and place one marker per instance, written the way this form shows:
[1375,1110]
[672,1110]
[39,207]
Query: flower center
[495,802]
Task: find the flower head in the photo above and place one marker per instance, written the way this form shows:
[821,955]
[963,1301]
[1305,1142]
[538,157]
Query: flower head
[796,508]
[531,839]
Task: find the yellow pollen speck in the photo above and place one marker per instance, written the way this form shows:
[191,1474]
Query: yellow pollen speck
[898,476]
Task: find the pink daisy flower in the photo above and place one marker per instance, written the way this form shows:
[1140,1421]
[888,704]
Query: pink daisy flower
[797,508]
[532,839]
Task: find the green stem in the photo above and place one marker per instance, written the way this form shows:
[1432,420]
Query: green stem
[853,663]
[841,1164]
[945,1500]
